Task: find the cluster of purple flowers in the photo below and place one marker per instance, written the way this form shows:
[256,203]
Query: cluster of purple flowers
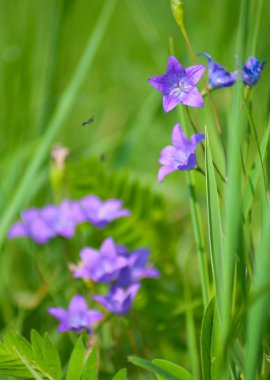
[42,224]
[114,265]
[178,86]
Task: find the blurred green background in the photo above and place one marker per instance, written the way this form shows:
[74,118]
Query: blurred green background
[41,43]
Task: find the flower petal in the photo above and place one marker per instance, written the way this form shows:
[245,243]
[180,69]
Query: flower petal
[193,98]
[159,82]
[175,66]
[179,139]
[169,102]
[196,139]
[195,73]
[163,171]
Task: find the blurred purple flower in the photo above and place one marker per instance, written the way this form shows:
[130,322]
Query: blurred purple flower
[103,265]
[252,71]
[178,85]
[77,317]
[118,300]
[136,268]
[42,224]
[181,155]
[101,213]
[218,76]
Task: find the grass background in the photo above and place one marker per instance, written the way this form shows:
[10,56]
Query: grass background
[41,44]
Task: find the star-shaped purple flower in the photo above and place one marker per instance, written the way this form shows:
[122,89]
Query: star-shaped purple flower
[103,265]
[181,155]
[101,213]
[252,71]
[77,317]
[178,85]
[136,268]
[42,224]
[118,300]
[218,76]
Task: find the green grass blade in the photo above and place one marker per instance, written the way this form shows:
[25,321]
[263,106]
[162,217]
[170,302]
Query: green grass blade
[254,175]
[121,375]
[232,193]
[260,308]
[174,369]
[154,368]
[214,220]
[60,115]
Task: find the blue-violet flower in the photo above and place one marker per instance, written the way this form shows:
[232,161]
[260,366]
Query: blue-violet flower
[218,76]
[118,300]
[178,85]
[251,71]
[103,265]
[101,213]
[181,155]
[136,268]
[42,224]
[77,317]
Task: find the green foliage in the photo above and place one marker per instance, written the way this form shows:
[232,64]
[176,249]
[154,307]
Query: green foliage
[214,219]
[147,224]
[163,369]
[40,360]
[21,359]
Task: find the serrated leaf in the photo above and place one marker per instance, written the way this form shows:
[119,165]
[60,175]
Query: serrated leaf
[152,368]
[35,374]
[38,348]
[214,220]
[90,369]
[173,369]
[76,362]
[121,375]
[53,363]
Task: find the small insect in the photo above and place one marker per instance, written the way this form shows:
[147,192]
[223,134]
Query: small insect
[89,121]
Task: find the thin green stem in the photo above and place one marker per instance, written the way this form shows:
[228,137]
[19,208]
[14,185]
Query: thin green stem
[198,231]
[255,135]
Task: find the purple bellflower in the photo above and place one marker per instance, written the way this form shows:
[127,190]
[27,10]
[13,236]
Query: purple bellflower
[42,224]
[181,155]
[178,85]
[118,300]
[218,76]
[136,269]
[77,317]
[101,213]
[251,71]
[103,265]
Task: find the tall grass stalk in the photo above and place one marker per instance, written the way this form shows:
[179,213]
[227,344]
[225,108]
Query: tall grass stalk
[232,194]
[58,118]
[260,306]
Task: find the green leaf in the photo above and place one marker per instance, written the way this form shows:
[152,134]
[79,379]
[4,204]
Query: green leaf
[206,338]
[152,368]
[254,175]
[214,220]
[76,362]
[121,375]
[90,369]
[259,310]
[53,363]
[38,348]
[173,369]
